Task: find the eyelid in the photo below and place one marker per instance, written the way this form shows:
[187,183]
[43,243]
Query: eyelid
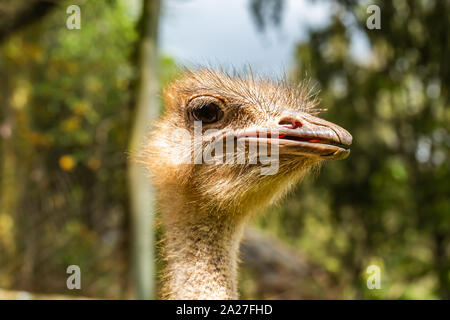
[219,101]
[206,96]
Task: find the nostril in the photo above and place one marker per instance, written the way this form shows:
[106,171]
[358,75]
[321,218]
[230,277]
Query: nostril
[290,123]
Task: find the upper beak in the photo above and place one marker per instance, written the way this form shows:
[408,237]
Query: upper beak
[299,133]
[306,134]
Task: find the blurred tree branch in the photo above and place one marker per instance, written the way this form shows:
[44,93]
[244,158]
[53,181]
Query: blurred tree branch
[15,15]
[266,12]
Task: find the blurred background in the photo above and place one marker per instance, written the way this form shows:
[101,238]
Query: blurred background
[73,103]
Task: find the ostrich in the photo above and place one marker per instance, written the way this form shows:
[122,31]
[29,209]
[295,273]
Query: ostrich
[205,206]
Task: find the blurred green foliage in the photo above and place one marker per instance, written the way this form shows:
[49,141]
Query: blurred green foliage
[68,110]
[389,203]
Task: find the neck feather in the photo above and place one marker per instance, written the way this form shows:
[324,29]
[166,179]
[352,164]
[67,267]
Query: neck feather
[202,255]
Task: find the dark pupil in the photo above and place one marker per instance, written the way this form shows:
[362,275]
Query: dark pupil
[208,113]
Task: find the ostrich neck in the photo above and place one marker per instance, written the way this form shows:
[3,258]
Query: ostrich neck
[202,255]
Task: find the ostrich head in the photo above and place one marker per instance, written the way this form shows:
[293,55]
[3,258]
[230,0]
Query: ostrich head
[234,116]
[225,148]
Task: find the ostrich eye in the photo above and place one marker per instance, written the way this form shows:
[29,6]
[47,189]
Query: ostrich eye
[207,113]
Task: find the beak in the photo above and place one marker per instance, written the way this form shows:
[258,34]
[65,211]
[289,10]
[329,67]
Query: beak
[302,134]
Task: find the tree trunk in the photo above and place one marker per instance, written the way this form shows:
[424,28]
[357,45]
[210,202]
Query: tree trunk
[141,194]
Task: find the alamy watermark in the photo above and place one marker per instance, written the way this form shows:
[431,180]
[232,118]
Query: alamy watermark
[374,278]
[374,20]
[74,280]
[74,20]
[237,147]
